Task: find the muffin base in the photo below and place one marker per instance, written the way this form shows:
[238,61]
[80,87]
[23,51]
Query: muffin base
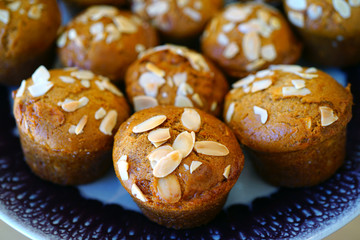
[65,168]
[307,167]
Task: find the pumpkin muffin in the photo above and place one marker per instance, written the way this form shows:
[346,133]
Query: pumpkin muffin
[174,75]
[330,29]
[177,19]
[178,164]
[246,37]
[66,120]
[28,30]
[293,120]
[105,40]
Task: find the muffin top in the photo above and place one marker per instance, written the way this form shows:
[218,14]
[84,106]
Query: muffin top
[287,108]
[174,75]
[177,18]
[172,157]
[246,37]
[105,40]
[336,19]
[69,109]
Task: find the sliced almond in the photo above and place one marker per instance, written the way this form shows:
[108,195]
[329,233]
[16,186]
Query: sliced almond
[4,16]
[80,126]
[14,6]
[261,85]
[109,122]
[159,153]
[71,106]
[192,14]
[72,129]
[194,165]
[296,18]
[169,188]
[167,164]
[222,39]
[197,99]
[182,101]
[136,192]
[227,171]
[123,167]
[61,41]
[228,27]
[244,81]
[354,3]
[151,82]
[40,75]
[184,143]
[149,124]
[237,14]
[306,75]
[213,106]
[125,25]
[191,119]
[21,89]
[298,5]
[184,89]
[230,112]
[262,112]
[251,45]
[255,65]
[268,52]
[40,89]
[100,113]
[154,69]
[144,102]
[311,70]
[292,91]
[35,11]
[96,28]
[342,7]
[157,8]
[327,116]
[211,148]
[264,73]
[83,74]
[111,87]
[314,12]
[180,78]
[85,83]
[298,84]
[287,68]
[66,79]
[159,135]
[231,50]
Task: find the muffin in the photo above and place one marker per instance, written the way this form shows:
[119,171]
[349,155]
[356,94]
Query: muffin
[85,3]
[28,30]
[174,75]
[330,30]
[105,40]
[293,120]
[178,164]
[247,37]
[66,120]
[175,19]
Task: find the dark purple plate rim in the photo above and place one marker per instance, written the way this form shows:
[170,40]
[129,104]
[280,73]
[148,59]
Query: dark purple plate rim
[40,209]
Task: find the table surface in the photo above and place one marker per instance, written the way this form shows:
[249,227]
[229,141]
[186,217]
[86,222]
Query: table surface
[351,231]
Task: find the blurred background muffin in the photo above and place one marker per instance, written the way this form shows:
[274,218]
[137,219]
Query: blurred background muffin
[105,40]
[28,30]
[330,29]
[174,75]
[246,37]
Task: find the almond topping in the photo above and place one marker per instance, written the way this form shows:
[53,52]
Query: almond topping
[298,84]
[342,7]
[4,16]
[262,112]
[100,113]
[299,5]
[231,50]
[110,87]
[211,148]
[268,52]
[251,45]
[297,18]
[61,41]
[354,3]
[21,89]
[228,27]
[261,85]
[149,124]
[157,8]
[109,122]
[154,69]
[327,116]
[124,25]
[230,112]
[159,153]
[182,101]
[123,167]
[180,78]
[72,129]
[136,192]
[71,106]
[85,83]
[184,143]
[244,81]
[292,91]
[83,75]
[14,6]
[151,82]
[222,39]
[169,188]
[194,165]
[191,13]
[144,102]
[159,135]
[80,126]
[40,75]
[66,79]
[191,119]
[255,65]
[167,164]
[287,68]
[197,99]
[213,106]
[237,14]
[314,11]
[264,73]
[40,89]
[227,171]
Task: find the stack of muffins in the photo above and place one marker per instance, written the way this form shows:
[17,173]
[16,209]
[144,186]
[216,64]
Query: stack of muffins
[171,151]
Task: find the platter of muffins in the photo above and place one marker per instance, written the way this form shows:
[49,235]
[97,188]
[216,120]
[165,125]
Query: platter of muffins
[179,119]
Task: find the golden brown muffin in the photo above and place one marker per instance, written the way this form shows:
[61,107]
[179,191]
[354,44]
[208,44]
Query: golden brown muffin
[177,19]
[178,164]
[247,37]
[293,120]
[330,29]
[66,119]
[85,3]
[28,30]
[174,75]
[105,40]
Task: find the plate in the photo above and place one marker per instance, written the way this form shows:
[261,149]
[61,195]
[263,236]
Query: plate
[103,209]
